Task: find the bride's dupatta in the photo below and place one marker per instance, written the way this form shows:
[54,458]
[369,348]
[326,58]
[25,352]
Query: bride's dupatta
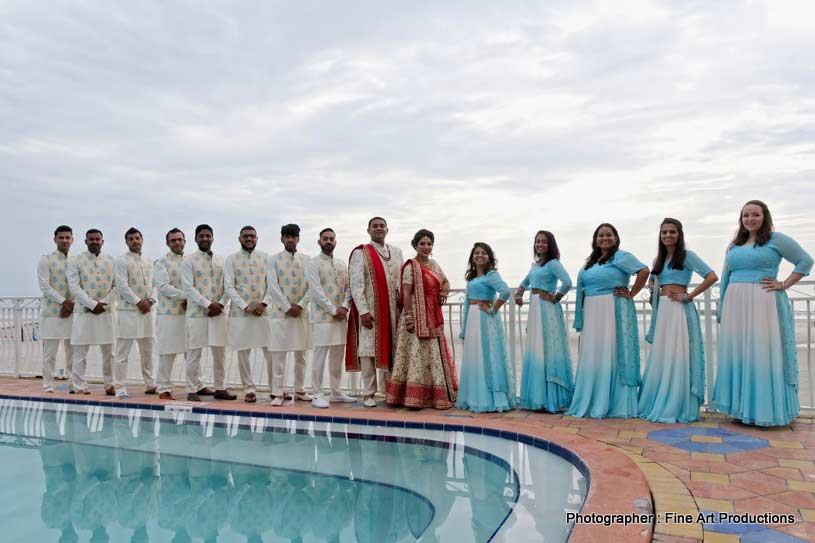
[428,315]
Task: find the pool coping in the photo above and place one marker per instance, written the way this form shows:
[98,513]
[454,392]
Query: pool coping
[616,485]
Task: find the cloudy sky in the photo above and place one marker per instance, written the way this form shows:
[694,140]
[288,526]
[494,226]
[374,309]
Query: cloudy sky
[479,120]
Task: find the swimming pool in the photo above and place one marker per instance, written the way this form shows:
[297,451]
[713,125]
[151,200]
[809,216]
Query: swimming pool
[96,473]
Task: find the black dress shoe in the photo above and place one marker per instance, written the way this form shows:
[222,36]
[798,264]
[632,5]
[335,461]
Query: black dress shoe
[224,395]
[206,391]
[193,397]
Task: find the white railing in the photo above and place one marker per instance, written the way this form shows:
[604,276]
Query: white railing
[21,353]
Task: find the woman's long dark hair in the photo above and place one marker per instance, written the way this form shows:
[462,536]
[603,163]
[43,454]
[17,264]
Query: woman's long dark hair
[764,233]
[552,252]
[596,256]
[678,259]
[472,272]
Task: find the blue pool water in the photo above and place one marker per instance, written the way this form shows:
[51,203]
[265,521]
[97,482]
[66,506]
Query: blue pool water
[91,473]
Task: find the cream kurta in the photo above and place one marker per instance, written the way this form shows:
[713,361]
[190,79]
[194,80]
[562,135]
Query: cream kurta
[90,280]
[171,327]
[245,280]
[53,282]
[327,279]
[287,285]
[362,292]
[202,278]
[133,277]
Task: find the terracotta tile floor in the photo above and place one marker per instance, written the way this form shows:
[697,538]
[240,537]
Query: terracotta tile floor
[714,465]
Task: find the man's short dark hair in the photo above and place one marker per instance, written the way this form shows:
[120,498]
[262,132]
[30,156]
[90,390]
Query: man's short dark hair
[174,231]
[203,227]
[132,230]
[63,228]
[375,218]
[324,230]
[247,227]
[94,231]
[290,230]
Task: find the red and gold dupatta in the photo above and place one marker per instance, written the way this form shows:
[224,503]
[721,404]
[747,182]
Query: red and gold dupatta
[383,341]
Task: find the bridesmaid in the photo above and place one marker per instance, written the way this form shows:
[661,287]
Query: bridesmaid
[547,369]
[608,367]
[757,365]
[487,380]
[673,385]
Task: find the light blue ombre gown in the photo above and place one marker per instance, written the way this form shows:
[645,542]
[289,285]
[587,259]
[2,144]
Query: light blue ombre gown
[673,385]
[547,369]
[608,367]
[757,363]
[487,380]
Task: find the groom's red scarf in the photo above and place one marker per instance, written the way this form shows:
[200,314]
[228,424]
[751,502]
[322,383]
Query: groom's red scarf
[383,341]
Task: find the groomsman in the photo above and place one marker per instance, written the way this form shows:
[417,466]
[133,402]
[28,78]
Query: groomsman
[202,278]
[245,280]
[171,332]
[327,279]
[290,327]
[57,306]
[90,281]
[133,277]
[374,272]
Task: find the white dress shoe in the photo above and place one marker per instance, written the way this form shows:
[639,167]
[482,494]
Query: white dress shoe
[344,398]
[304,396]
[122,394]
[277,401]
[320,402]
[369,402]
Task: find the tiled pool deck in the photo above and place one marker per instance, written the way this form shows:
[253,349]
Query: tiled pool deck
[711,466]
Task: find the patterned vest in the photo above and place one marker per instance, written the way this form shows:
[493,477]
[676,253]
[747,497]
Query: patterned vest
[291,278]
[139,278]
[334,282]
[208,278]
[171,306]
[250,279]
[95,276]
[57,265]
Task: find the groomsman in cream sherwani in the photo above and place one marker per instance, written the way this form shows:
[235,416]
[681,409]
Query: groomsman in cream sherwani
[57,306]
[290,328]
[202,278]
[171,328]
[374,272]
[330,295]
[245,280]
[90,281]
[133,277]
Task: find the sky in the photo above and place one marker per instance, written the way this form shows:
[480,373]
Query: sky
[481,121]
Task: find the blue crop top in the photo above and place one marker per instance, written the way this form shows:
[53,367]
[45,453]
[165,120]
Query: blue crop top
[546,277]
[693,263]
[604,278]
[487,286]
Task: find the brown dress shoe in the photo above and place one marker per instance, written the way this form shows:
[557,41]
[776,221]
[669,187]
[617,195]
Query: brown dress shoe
[110,391]
[206,391]
[193,397]
[250,397]
[224,395]
[165,396]
[152,390]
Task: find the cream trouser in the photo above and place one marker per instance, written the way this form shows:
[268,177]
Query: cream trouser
[123,347]
[369,376]
[165,372]
[80,357]
[334,353]
[194,383]
[276,368]
[245,368]
[49,360]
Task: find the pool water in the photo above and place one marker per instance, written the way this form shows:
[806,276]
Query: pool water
[92,473]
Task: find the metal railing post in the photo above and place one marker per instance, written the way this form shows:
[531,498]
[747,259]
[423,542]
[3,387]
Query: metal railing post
[708,312]
[17,320]
[512,334]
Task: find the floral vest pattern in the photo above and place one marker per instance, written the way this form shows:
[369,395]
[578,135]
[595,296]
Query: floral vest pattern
[208,279]
[139,278]
[250,279]
[171,306]
[291,277]
[334,282]
[57,266]
[95,276]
